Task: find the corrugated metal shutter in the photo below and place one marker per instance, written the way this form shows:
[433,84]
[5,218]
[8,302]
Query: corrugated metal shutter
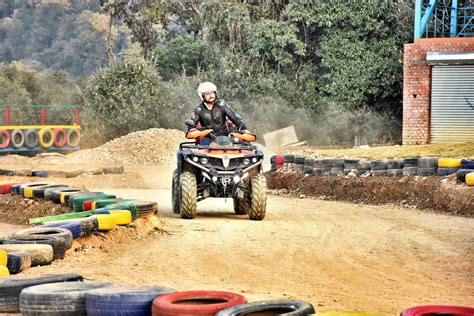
[452,104]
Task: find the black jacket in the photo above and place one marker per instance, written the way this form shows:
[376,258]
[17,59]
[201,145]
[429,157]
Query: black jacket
[215,118]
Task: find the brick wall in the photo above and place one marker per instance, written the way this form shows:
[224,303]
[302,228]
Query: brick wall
[417,84]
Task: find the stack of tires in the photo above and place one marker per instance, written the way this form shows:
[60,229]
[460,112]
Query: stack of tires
[428,166]
[410,166]
[378,168]
[394,167]
[40,138]
[447,166]
[350,166]
[466,172]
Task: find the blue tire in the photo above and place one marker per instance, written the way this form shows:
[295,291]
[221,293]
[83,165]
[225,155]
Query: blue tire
[467,164]
[446,171]
[123,300]
[73,227]
[40,173]
[18,261]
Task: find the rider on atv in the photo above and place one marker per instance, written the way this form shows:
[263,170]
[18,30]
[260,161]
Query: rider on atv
[212,113]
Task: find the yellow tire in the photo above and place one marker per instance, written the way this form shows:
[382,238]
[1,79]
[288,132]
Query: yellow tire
[3,258]
[28,193]
[106,221]
[4,272]
[93,206]
[122,217]
[61,198]
[449,163]
[470,179]
[46,137]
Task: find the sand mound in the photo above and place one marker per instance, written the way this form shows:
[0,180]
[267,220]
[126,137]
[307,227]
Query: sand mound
[155,146]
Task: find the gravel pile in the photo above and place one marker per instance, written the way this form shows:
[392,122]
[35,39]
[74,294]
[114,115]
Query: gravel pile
[155,146]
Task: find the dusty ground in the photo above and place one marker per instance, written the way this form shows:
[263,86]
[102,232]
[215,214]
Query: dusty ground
[336,255]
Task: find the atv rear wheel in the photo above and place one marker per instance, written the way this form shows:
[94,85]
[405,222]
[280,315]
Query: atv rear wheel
[175,192]
[242,207]
[258,204]
[188,195]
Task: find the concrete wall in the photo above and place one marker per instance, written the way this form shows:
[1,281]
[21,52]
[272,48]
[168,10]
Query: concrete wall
[417,84]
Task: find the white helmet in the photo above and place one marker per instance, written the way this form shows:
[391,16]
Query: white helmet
[206,87]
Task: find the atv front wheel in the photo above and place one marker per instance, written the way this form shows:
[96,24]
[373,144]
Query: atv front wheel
[175,192]
[258,204]
[242,207]
[188,195]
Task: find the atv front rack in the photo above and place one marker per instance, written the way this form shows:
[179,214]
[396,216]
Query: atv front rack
[192,145]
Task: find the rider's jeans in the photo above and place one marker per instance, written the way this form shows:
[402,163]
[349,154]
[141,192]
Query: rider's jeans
[206,141]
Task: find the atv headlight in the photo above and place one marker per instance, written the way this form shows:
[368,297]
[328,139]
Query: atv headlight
[204,160]
[246,161]
[254,159]
[195,159]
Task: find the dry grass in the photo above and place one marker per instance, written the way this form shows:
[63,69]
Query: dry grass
[463,150]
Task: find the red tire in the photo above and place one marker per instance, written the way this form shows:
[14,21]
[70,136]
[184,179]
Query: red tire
[438,309]
[6,188]
[206,303]
[279,160]
[60,137]
[4,138]
[87,205]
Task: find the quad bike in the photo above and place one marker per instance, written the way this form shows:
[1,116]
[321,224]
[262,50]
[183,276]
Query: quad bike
[230,167]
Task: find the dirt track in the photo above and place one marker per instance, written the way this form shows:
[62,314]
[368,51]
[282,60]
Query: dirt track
[337,255]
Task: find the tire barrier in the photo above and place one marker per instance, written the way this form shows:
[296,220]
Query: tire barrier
[270,307]
[470,179]
[412,166]
[437,310]
[56,232]
[11,289]
[59,244]
[194,303]
[30,185]
[62,298]
[123,300]
[17,139]
[6,172]
[74,227]
[4,138]
[39,192]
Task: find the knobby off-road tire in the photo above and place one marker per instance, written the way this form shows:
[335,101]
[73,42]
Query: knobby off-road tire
[188,195]
[242,207]
[175,192]
[258,204]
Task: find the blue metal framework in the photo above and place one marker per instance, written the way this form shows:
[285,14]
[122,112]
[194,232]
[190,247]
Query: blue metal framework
[448,19]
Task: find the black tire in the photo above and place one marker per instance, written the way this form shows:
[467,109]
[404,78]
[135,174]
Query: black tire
[242,207]
[427,171]
[273,167]
[410,162]
[299,160]
[11,289]
[56,194]
[395,164]
[40,254]
[175,192]
[428,163]
[379,173]
[350,163]
[461,174]
[298,167]
[74,227]
[326,163]
[38,193]
[29,185]
[308,170]
[317,163]
[18,261]
[338,163]
[394,172]
[270,307]
[70,201]
[317,171]
[410,171]
[57,298]
[364,165]
[337,170]
[57,232]
[258,198]
[123,300]
[188,195]
[70,194]
[31,138]
[467,164]
[17,138]
[378,165]
[446,171]
[326,170]
[309,162]
[48,193]
[289,159]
